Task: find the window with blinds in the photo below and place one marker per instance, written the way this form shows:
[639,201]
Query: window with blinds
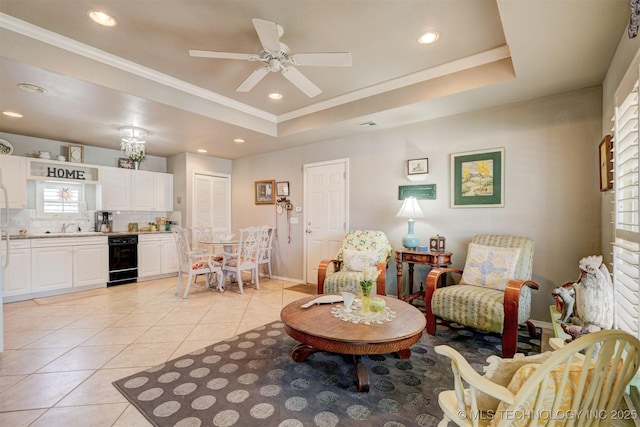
[60,199]
[626,248]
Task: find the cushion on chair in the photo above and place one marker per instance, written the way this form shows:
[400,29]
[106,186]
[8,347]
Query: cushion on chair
[476,306]
[489,266]
[548,394]
[500,371]
[344,280]
[525,264]
[358,260]
[366,240]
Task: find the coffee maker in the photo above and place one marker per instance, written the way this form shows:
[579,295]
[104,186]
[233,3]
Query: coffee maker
[104,221]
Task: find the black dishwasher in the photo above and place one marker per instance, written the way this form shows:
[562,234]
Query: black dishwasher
[123,259]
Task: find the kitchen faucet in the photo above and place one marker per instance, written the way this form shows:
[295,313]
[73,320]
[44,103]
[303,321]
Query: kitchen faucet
[64,227]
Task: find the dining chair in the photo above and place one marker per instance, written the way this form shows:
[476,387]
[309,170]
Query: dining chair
[265,248]
[198,233]
[194,262]
[244,259]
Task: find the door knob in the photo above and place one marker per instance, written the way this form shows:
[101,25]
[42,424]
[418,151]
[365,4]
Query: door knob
[308,231]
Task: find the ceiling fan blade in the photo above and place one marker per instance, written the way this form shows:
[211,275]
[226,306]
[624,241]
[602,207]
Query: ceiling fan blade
[220,55]
[300,81]
[329,59]
[268,34]
[253,79]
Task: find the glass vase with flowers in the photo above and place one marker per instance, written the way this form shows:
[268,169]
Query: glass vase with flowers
[369,277]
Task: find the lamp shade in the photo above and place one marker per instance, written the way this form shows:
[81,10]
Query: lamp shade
[410,209]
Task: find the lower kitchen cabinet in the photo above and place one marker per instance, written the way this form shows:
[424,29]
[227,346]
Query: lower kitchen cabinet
[157,255]
[17,275]
[67,263]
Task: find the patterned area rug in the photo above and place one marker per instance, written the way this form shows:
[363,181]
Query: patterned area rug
[251,380]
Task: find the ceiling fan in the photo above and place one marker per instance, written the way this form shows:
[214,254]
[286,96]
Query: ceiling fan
[277,56]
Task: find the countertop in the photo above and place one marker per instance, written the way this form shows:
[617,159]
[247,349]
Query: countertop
[81,234]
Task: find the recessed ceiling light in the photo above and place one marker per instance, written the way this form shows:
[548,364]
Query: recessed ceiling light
[27,87]
[275,95]
[102,18]
[238,140]
[201,150]
[429,37]
[12,114]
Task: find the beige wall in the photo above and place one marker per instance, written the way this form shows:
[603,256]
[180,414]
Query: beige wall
[551,185]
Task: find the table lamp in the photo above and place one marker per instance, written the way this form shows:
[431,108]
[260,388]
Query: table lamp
[410,209]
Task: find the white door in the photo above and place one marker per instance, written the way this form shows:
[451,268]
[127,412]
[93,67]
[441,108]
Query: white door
[212,202]
[326,207]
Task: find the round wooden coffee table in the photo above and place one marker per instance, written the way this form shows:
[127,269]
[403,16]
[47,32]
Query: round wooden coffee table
[318,330]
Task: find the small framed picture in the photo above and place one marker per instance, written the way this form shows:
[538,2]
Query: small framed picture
[76,153]
[282,188]
[265,194]
[125,163]
[417,166]
[606,168]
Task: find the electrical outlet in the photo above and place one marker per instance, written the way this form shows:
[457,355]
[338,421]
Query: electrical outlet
[298,209]
[16,221]
[293,220]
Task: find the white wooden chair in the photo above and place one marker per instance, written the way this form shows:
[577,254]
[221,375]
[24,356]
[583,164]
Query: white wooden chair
[194,262]
[581,384]
[265,248]
[245,258]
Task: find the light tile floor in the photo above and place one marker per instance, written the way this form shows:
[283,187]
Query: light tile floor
[62,353]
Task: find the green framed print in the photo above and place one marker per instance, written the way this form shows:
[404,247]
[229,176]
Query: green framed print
[477,179]
[420,192]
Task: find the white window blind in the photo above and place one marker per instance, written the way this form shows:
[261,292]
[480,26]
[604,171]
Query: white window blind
[626,248]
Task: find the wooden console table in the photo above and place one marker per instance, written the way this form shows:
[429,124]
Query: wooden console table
[434,259]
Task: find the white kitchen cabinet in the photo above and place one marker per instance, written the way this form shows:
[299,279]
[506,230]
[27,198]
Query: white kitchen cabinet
[116,189]
[163,192]
[51,267]
[90,264]
[17,275]
[65,263]
[14,177]
[142,190]
[157,255]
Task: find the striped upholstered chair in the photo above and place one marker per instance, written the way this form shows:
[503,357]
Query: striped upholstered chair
[359,248]
[494,292]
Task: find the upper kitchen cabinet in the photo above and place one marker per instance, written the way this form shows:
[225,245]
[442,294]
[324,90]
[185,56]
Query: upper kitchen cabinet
[163,192]
[116,189]
[14,177]
[135,190]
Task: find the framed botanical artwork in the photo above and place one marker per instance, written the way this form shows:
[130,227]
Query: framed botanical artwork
[606,167]
[477,179]
[282,189]
[265,194]
[76,153]
[417,166]
[125,163]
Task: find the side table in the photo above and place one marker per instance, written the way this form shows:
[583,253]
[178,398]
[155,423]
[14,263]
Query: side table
[411,257]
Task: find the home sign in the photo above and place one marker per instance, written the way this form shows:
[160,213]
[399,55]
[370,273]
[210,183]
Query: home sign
[55,172]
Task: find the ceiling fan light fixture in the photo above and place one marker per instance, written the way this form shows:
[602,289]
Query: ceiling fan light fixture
[275,96]
[102,18]
[429,37]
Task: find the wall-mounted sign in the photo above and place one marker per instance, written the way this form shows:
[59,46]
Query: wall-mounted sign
[420,192]
[53,172]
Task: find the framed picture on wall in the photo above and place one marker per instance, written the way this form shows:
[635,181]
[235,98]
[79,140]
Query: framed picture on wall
[125,163]
[477,179]
[282,189]
[606,167]
[417,166]
[75,153]
[265,192]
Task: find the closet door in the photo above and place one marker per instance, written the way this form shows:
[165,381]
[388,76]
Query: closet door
[212,202]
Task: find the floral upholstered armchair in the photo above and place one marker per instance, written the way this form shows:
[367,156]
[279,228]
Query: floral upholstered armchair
[359,248]
[494,293]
